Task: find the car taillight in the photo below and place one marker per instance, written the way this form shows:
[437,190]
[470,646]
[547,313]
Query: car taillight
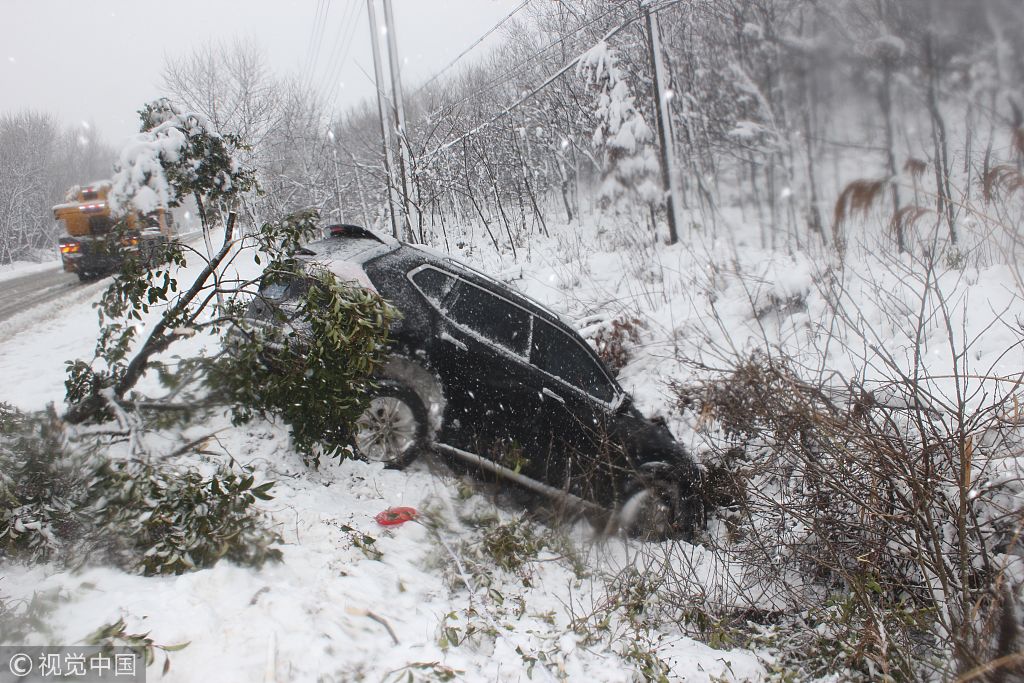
[70,247]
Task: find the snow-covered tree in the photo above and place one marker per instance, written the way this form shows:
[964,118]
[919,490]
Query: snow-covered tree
[630,164]
[180,153]
[177,154]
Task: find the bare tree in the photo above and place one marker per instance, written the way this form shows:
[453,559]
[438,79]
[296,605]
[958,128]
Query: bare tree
[231,84]
[38,163]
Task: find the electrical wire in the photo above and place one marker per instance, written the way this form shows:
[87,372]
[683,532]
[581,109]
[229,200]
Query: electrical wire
[517,68]
[320,43]
[339,36]
[336,45]
[551,79]
[479,40]
[334,81]
[304,74]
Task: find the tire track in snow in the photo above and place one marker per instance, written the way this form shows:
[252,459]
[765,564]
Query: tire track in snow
[21,298]
[33,299]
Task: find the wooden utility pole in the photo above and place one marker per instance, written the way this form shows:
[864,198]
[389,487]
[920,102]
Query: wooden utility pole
[385,133]
[669,177]
[404,164]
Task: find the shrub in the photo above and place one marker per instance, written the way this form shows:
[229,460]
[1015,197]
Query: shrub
[311,369]
[42,489]
[20,619]
[115,634]
[893,521]
[314,366]
[165,521]
[513,545]
[615,341]
[70,507]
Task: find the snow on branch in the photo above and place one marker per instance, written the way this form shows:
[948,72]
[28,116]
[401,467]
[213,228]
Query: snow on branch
[177,153]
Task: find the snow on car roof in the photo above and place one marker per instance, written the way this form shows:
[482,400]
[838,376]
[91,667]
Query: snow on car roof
[353,249]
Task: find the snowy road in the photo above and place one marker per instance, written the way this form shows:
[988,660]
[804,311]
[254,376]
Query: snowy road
[20,294]
[24,293]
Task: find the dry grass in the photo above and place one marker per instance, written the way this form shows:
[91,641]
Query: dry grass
[915,168]
[906,217]
[1001,182]
[857,198]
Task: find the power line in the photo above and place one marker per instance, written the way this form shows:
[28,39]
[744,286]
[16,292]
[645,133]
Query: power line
[348,40]
[316,40]
[479,40]
[339,37]
[320,43]
[514,70]
[551,79]
[312,39]
[337,45]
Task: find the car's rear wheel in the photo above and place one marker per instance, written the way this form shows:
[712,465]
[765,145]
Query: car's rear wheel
[393,428]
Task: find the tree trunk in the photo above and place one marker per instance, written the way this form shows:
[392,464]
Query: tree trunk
[885,101]
[945,197]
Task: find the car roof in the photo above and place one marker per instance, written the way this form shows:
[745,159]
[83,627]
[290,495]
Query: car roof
[358,248]
[359,245]
[437,257]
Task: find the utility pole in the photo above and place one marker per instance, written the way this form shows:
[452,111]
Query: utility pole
[404,164]
[378,75]
[669,178]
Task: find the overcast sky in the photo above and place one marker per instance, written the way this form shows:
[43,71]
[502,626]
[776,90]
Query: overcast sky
[96,63]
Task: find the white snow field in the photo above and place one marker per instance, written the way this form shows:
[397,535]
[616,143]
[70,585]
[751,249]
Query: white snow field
[353,600]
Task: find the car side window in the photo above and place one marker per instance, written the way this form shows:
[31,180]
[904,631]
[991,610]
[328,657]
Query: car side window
[559,354]
[278,287]
[489,316]
[433,283]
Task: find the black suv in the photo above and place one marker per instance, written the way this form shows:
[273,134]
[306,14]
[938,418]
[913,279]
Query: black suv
[498,382]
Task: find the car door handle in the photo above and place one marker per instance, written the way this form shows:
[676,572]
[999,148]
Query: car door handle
[550,394]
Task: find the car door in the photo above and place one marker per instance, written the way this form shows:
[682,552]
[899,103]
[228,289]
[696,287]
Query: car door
[481,355]
[579,398]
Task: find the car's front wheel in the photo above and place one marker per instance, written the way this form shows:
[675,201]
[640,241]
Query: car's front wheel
[393,427]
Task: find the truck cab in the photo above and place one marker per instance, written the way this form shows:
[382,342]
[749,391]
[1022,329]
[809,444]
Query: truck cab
[96,242]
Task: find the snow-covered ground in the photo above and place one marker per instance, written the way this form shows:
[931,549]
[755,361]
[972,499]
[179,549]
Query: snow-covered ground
[356,601]
[353,600]
[324,613]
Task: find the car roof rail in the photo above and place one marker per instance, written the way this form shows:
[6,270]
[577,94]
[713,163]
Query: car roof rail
[351,230]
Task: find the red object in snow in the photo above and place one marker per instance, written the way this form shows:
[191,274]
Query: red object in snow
[395,516]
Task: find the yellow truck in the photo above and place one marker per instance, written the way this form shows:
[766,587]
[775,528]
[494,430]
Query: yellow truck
[97,243]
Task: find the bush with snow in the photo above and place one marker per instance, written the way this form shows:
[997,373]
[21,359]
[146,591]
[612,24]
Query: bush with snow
[164,520]
[43,489]
[178,153]
[883,498]
[312,365]
[72,506]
